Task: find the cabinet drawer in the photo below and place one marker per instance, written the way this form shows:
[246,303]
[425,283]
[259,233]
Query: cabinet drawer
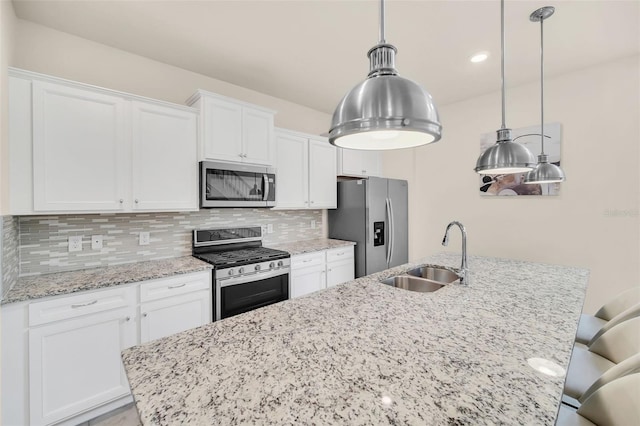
[181,284]
[62,308]
[308,259]
[338,254]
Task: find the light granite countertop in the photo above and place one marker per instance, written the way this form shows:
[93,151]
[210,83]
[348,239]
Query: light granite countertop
[364,353]
[308,246]
[36,287]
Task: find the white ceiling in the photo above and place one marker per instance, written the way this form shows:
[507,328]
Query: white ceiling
[313,52]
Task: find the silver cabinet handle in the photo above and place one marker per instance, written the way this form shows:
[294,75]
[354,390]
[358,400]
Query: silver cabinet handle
[136,201]
[307,261]
[176,286]
[127,319]
[339,254]
[144,314]
[240,155]
[121,201]
[82,305]
[312,202]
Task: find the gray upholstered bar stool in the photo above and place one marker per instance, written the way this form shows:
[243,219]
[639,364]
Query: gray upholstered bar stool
[587,365]
[589,325]
[613,404]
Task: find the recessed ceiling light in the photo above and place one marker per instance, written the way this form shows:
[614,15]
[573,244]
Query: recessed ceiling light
[479,57]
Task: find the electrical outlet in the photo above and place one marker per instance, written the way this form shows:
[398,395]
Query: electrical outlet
[75,243]
[270,228]
[96,242]
[144,238]
[313,224]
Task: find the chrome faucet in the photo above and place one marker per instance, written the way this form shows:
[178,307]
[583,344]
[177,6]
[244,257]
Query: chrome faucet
[464,268]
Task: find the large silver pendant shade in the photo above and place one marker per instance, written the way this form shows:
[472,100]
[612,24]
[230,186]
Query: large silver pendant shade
[385,111]
[506,156]
[544,171]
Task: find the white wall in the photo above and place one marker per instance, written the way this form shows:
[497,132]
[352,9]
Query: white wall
[7,28]
[593,223]
[45,50]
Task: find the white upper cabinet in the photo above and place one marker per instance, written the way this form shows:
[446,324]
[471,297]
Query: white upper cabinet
[305,171]
[323,188]
[164,158]
[359,163]
[233,130]
[222,122]
[292,177]
[79,149]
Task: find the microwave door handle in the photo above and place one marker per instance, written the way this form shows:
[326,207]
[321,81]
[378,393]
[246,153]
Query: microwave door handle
[265,182]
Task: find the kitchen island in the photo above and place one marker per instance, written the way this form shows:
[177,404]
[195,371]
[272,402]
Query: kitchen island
[367,353]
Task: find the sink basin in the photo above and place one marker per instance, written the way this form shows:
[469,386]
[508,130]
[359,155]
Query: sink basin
[412,283]
[433,273]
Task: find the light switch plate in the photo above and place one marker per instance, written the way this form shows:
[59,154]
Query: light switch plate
[144,238]
[270,228]
[313,224]
[96,242]
[75,243]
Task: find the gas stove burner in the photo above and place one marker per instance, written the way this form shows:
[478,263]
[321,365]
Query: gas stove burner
[227,247]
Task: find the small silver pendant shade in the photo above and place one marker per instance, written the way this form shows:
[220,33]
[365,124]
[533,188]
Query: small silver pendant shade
[506,156]
[385,111]
[544,172]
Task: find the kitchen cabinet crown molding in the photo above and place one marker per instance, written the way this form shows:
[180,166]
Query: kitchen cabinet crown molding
[35,76]
[205,93]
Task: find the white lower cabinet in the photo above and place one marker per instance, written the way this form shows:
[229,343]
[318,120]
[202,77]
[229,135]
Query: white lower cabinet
[315,271]
[61,357]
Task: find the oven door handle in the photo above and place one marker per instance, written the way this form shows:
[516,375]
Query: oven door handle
[256,276]
[265,181]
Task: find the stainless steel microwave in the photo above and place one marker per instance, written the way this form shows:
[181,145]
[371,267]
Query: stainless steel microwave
[236,185]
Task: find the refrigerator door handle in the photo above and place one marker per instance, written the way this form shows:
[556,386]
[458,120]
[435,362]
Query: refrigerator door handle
[392,231]
[387,203]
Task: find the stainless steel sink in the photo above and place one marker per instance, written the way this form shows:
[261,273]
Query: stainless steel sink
[424,279]
[434,273]
[411,283]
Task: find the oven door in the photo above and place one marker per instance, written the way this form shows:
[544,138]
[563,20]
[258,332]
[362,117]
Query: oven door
[236,185]
[236,295]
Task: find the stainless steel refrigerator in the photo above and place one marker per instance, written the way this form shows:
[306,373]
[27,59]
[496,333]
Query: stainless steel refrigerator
[374,213]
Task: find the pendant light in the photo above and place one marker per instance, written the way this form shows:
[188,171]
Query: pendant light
[544,172]
[506,156]
[385,111]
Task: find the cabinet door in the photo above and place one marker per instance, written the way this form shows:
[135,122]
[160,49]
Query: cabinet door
[323,186]
[80,160]
[307,280]
[292,179]
[371,163]
[75,365]
[359,163]
[222,130]
[164,158]
[339,272]
[257,136]
[172,315]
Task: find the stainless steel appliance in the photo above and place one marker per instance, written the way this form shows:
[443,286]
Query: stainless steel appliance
[246,276]
[236,185]
[374,213]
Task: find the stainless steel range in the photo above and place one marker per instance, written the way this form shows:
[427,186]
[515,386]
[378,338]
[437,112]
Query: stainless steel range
[246,276]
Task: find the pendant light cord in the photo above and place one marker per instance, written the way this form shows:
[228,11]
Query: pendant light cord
[542,84]
[382,39]
[502,60]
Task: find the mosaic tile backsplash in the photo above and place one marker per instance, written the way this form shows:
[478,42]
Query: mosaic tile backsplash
[10,253]
[43,240]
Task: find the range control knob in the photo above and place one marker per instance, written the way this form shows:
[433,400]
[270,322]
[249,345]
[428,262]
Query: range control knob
[258,267]
[230,272]
[272,265]
[280,263]
[241,271]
